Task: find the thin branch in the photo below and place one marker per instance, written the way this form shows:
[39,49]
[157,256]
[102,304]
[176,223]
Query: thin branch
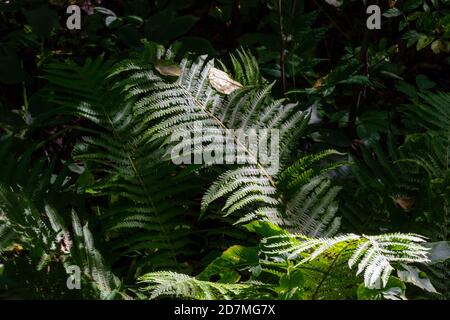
[282,50]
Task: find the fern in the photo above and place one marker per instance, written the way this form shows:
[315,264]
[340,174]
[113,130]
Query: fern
[146,205]
[374,255]
[429,149]
[176,108]
[406,186]
[297,267]
[305,205]
[128,164]
[180,285]
[48,239]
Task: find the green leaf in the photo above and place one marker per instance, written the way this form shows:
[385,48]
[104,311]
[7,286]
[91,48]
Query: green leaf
[265,228]
[182,4]
[166,25]
[10,70]
[42,21]
[402,25]
[357,79]
[109,20]
[392,13]
[333,137]
[227,265]
[105,11]
[440,251]
[413,275]
[411,5]
[11,120]
[292,280]
[411,37]
[130,36]
[394,290]
[291,285]
[406,88]
[134,19]
[180,26]
[372,122]
[197,45]
[424,83]
[423,42]
[241,255]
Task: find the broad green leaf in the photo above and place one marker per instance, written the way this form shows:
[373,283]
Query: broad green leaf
[229,263]
[265,229]
[105,11]
[394,290]
[413,275]
[406,88]
[42,21]
[292,280]
[411,5]
[166,25]
[196,45]
[424,83]
[291,285]
[423,42]
[11,120]
[10,70]
[392,13]
[440,251]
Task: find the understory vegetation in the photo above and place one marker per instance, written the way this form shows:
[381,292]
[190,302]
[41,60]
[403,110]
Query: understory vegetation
[358,208]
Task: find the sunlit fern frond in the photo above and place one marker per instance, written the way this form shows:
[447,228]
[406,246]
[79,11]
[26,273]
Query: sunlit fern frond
[191,108]
[166,283]
[374,256]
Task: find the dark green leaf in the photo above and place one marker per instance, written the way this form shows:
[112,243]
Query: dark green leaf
[42,20]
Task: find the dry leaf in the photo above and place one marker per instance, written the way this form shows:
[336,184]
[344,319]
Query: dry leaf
[18,248]
[406,203]
[222,82]
[320,82]
[334,3]
[65,243]
[392,3]
[168,68]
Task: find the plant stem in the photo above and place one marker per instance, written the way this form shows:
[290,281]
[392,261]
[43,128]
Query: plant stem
[282,50]
[24,92]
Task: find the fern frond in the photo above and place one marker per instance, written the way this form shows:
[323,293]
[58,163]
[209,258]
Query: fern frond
[48,239]
[177,109]
[165,283]
[374,255]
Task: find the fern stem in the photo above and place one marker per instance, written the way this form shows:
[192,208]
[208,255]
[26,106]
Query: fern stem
[141,181]
[327,273]
[264,171]
[24,92]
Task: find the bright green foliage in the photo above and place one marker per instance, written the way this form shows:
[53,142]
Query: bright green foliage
[142,204]
[90,120]
[180,285]
[298,267]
